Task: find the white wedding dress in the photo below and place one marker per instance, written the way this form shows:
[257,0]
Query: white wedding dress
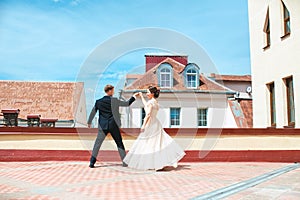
[154,148]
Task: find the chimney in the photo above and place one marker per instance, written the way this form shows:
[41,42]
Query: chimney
[153,60]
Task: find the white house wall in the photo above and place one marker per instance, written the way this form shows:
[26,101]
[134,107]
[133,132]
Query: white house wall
[80,111]
[135,118]
[237,86]
[219,113]
[229,121]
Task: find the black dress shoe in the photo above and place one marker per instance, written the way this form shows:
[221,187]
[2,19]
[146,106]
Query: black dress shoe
[91,166]
[124,164]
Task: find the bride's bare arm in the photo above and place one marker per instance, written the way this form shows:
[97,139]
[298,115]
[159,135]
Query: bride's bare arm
[143,99]
[147,117]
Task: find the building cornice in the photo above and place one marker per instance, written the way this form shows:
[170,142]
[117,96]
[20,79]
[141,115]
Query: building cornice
[182,91]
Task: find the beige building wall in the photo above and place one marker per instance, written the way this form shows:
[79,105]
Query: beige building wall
[80,142]
[280,60]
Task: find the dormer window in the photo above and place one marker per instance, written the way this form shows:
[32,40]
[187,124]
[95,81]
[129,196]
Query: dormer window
[192,76]
[165,74]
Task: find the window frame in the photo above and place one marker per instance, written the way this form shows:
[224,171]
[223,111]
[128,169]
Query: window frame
[143,115]
[191,83]
[267,31]
[198,117]
[290,96]
[272,103]
[191,66]
[179,117]
[286,21]
[165,66]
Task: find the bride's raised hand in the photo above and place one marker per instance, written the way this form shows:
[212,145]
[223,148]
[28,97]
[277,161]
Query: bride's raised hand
[140,94]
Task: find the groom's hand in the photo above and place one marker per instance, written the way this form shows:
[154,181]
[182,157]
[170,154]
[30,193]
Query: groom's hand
[136,94]
[89,125]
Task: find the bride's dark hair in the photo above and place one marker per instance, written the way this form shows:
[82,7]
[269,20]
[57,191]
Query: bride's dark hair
[154,91]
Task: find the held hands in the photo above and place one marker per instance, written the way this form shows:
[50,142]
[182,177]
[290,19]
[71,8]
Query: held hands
[138,94]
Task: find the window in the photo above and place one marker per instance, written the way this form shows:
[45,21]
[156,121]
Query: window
[175,116]
[165,78]
[143,115]
[272,103]
[290,101]
[191,76]
[267,31]
[165,75]
[202,117]
[286,20]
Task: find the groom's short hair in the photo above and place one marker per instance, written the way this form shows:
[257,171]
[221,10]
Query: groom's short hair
[108,88]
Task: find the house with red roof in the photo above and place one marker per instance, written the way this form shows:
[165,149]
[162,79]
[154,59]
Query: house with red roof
[188,98]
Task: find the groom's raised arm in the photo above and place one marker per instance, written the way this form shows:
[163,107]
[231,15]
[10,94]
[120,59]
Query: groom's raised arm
[127,103]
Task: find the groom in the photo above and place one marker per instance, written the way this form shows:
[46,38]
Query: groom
[109,121]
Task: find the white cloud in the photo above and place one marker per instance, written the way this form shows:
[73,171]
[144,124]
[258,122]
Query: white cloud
[44,42]
[75,2]
[113,75]
[90,90]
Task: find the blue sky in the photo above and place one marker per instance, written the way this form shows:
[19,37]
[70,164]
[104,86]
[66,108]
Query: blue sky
[48,40]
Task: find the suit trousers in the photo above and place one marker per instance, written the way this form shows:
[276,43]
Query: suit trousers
[116,135]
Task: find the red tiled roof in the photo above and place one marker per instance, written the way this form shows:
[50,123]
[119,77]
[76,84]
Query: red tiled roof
[246,106]
[134,76]
[242,112]
[150,78]
[219,77]
[238,114]
[49,99]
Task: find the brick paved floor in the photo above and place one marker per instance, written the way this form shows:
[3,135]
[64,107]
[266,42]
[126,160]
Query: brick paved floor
[74,180]
[284,187]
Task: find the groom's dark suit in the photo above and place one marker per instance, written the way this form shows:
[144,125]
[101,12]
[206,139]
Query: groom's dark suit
[109,122]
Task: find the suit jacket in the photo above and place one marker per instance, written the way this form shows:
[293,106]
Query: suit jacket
[108,108]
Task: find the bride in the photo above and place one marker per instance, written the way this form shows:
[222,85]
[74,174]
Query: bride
[154,148]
